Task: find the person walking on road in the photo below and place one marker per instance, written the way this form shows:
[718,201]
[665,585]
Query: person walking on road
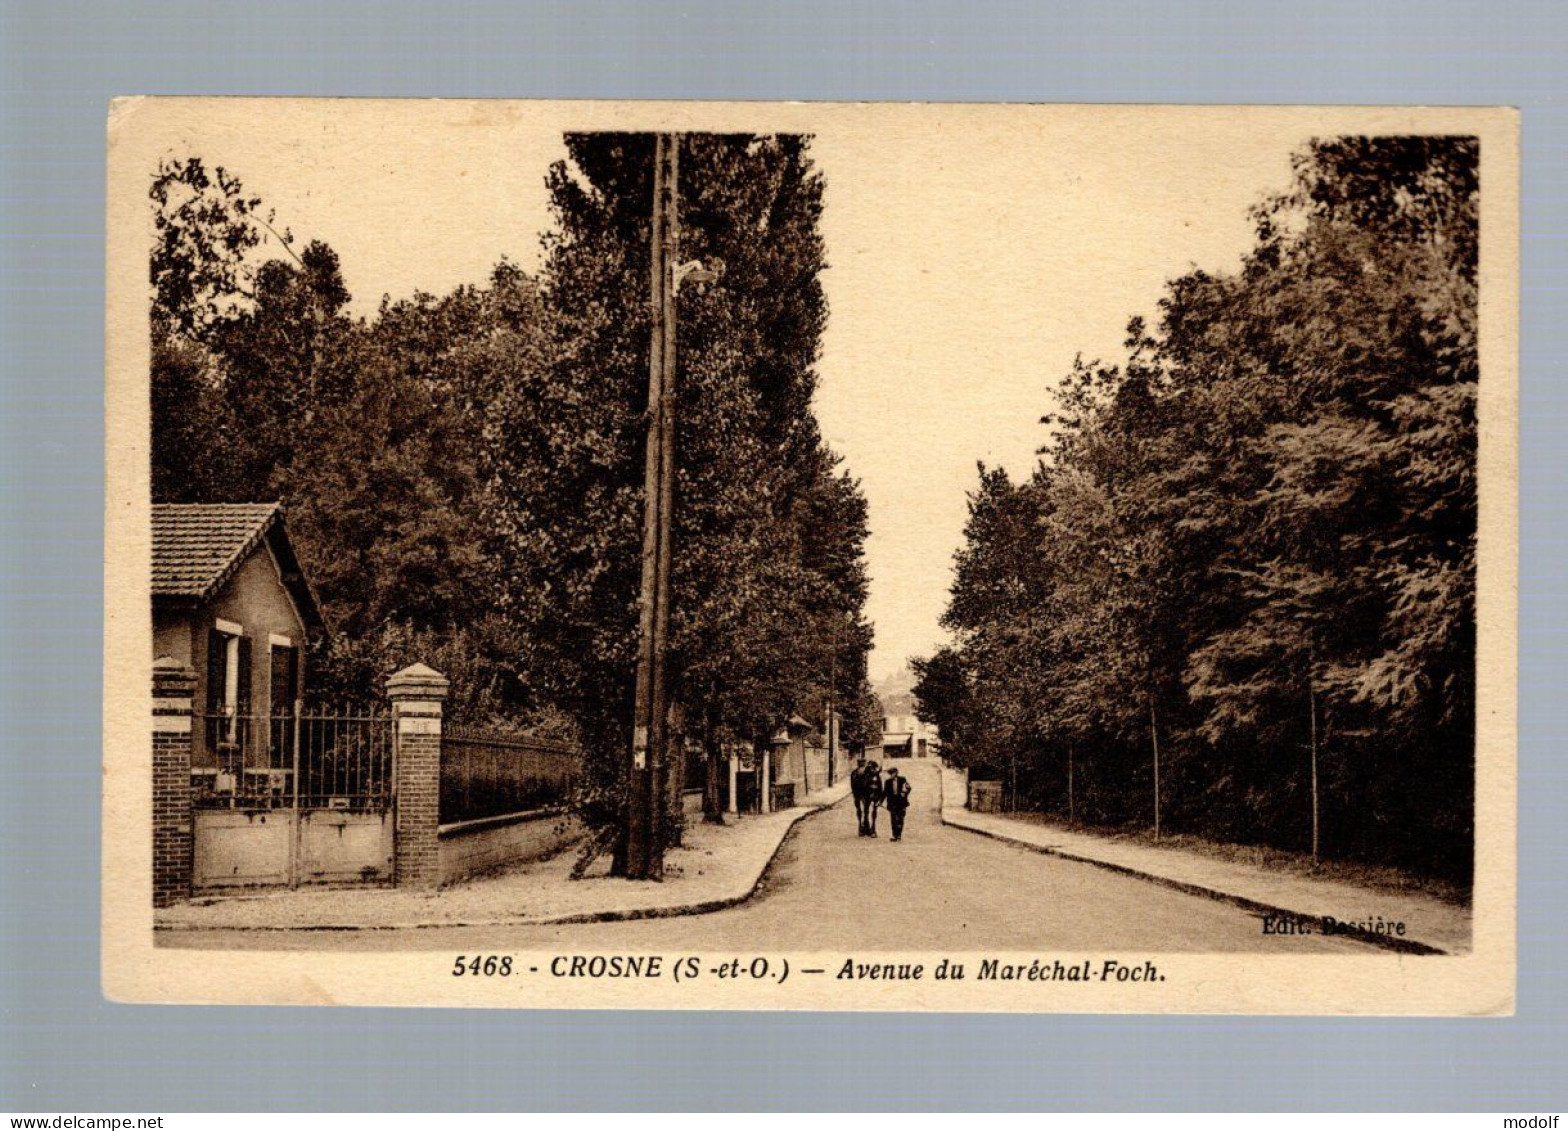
[896,797]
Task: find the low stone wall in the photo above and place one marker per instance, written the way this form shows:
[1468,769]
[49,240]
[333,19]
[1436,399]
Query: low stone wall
[804,766]
[476,847]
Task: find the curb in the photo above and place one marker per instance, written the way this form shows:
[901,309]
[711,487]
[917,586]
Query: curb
[671,911]
[1386,942]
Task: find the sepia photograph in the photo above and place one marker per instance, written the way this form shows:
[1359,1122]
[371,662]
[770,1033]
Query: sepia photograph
[811,556]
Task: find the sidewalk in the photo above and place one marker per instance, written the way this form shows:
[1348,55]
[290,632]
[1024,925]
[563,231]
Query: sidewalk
[715,868]
[1430,924]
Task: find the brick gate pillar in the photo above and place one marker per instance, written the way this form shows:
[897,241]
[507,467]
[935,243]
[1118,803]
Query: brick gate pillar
[173,687]
[417,693]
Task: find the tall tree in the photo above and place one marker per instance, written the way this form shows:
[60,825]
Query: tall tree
[767,535]
[1253,540]
[381,437]
[206,225]
[202,274]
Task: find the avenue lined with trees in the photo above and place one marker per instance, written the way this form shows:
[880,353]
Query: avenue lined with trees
[1236,596]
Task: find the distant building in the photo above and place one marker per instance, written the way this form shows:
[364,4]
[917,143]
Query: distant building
[904,735]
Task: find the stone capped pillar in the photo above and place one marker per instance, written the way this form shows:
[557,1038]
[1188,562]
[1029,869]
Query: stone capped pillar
[417,693]
[173,688]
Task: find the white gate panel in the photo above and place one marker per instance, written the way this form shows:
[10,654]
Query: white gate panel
[241,848]
[345,847]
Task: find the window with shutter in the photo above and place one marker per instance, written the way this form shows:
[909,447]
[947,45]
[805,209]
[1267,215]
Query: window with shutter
[243,683]
[228,687]
[215,726]
[217,669]
[241,704]
[284,680]
[284,684]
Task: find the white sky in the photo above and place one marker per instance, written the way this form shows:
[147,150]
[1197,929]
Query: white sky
[972,254]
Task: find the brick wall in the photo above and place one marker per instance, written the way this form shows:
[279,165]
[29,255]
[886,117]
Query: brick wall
[173,684]
[477,847]
[417,693]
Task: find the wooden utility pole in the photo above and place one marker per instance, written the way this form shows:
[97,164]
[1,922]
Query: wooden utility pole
[1312,705]
[1072,807]
[663,762]
[651,803]
[832,696]
[644,849]
[1154,737]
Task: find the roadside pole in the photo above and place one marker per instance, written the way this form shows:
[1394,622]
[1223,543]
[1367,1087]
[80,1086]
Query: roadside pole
[832,697]
[1312,704]
[650,805]
[670,166]
[1072,805]
[644,856]
[1154,737]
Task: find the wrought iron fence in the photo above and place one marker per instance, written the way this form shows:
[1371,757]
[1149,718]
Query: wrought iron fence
[489,774]
[306,759]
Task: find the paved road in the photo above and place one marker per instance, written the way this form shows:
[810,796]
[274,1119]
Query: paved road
[829,889]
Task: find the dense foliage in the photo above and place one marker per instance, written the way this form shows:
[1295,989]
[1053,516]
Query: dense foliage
[769,578]
[1249,547]
[463,475]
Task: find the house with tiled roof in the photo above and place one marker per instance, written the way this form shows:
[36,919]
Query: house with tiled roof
[229,599]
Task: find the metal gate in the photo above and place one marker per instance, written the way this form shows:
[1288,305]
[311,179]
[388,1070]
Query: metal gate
[293,798]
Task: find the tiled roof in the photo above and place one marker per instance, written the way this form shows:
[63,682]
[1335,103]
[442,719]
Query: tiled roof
[196,547]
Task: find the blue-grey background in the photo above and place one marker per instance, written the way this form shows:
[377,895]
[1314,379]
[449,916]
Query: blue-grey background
[64,1048]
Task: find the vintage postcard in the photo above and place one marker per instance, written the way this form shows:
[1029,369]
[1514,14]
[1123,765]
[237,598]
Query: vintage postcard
[811,556]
